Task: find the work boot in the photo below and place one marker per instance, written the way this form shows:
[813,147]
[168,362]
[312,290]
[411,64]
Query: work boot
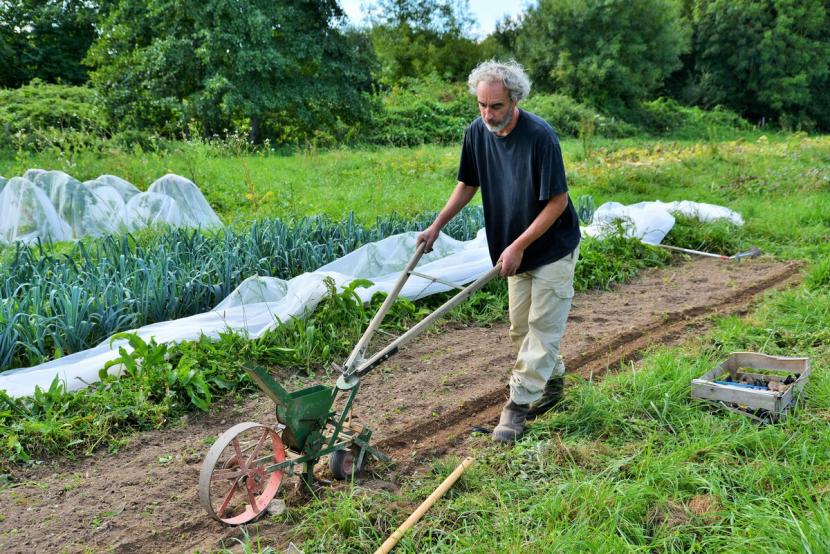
[551,396]
[511,423]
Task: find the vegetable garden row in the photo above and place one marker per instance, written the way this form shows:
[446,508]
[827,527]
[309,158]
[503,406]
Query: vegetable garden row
[54,304]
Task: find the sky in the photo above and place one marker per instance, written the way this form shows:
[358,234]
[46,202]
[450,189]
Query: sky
[485,12]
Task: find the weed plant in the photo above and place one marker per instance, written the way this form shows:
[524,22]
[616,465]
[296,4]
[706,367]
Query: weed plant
[613,260]
[716,237]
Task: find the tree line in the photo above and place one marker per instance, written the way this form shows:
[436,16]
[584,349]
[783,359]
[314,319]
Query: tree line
[278,69]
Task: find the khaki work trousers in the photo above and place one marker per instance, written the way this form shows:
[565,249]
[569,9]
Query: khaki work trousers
[540,300]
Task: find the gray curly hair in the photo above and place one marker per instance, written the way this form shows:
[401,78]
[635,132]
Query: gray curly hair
[510,73]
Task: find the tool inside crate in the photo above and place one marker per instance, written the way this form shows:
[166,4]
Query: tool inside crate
[757,385]
[752,379]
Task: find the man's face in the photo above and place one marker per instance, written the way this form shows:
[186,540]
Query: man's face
[494,105]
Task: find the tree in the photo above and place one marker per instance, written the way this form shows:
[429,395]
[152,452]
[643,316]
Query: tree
[501,43]
[681,84]
[412,38]
[280,69]
[612,53]
[45,39]
[764,58]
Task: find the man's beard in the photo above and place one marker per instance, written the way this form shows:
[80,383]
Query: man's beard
[498,127]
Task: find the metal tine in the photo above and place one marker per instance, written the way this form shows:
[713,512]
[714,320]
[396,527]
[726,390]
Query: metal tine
[436,280]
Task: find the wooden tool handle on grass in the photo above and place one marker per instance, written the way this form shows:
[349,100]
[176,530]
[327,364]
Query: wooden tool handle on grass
[393,539]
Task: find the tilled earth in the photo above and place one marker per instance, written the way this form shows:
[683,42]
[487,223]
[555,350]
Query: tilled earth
[421,403]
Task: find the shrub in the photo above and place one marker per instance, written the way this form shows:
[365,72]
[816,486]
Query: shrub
[32,115]
[421,111]
[429,110]
[667,116]
[568,117]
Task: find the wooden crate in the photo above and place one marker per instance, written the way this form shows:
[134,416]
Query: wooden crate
[741,398]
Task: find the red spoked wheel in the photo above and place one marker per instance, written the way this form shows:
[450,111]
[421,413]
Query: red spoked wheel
[234,484]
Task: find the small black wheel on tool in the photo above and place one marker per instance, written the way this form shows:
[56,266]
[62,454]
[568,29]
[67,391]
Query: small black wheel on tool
[343,463]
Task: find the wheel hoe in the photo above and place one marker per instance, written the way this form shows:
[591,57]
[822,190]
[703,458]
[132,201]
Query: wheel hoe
[243,470]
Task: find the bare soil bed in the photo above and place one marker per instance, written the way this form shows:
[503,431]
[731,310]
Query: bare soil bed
[421,403]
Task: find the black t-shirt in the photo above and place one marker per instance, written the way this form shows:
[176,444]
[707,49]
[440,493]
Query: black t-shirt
[517,175]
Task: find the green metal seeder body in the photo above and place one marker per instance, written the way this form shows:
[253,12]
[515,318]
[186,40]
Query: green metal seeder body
[309,427]
[312,428]
[302,412]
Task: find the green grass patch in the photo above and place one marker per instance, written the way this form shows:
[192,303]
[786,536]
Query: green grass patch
[242,185]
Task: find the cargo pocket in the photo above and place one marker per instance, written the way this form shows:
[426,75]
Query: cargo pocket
[558,277]
[564,291]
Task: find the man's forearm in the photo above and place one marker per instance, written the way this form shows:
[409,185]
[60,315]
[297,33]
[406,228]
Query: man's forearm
[459,198]
[549,214]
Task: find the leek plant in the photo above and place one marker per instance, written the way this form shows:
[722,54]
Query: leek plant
[52,304]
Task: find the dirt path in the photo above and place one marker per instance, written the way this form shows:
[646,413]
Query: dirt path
[421,403]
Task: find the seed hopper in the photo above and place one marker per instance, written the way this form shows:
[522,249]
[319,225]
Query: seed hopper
[245,467]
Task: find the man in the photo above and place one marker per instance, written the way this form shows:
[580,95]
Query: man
[532,228]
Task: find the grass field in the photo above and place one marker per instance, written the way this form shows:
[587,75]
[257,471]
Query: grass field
[630,463]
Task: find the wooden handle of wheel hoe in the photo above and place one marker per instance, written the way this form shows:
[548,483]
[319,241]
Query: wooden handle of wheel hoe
[419,327]
[393,539]
[387,304]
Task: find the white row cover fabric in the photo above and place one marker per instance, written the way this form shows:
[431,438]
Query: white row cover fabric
[652,221]
[51,205]
[261,303]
